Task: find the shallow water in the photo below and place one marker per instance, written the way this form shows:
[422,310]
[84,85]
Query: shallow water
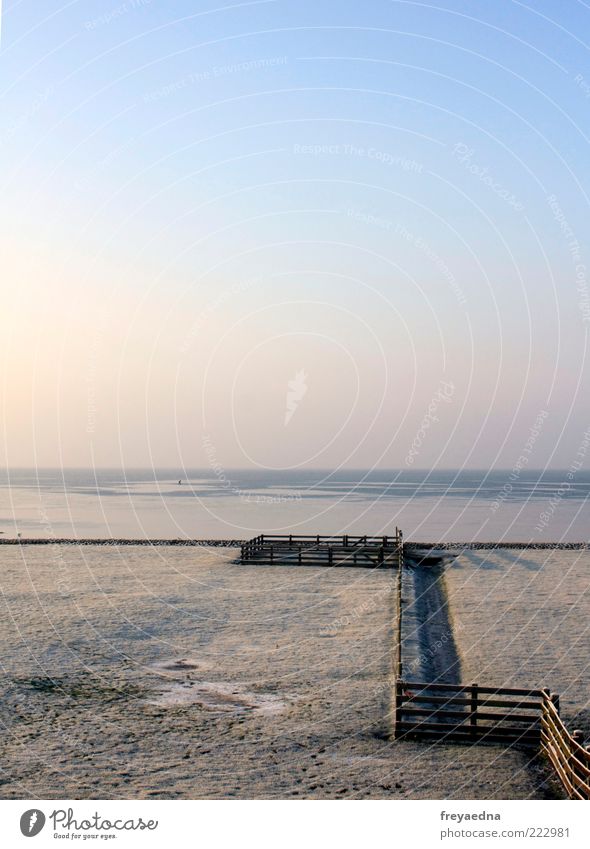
[237,504]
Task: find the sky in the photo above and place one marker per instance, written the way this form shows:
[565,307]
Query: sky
[287,235]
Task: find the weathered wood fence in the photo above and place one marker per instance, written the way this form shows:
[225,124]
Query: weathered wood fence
[436,710]
[565,751]
[512,716]
[322,550]
[468,712]
[475,713]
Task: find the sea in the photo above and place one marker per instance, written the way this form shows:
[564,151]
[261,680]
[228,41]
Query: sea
[429,506]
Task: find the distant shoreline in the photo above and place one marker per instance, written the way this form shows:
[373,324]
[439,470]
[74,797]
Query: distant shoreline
[236,543]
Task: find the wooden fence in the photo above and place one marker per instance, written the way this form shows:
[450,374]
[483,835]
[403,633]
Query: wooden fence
[468,712]
[565,751]
[512,716]
[322,550]
[474,713]
[398,605]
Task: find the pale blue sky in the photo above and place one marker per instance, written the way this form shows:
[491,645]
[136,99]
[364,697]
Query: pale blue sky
[199,202]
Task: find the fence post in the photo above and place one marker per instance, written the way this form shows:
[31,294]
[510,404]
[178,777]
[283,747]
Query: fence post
[330,555]
[544,701]
[398,706]
[473,711]
[272,553]
[299,555]
[578,737]
[399,619]
[555,700]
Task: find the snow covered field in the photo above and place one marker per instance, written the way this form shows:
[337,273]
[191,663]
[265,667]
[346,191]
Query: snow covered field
[522,618]
[175,673]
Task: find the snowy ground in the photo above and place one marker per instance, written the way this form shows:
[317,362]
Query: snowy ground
[175,673]
[522,618]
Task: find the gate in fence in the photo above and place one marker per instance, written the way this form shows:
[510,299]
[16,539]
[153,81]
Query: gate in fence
[513,716]
[473,713]
[459,712]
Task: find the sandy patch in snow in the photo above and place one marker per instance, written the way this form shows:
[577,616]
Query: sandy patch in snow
[218,696]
